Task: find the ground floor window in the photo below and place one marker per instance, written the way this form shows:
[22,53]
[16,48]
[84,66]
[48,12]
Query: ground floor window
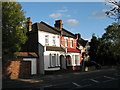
[73,59]
[54,60]
[76,59]
[68,58]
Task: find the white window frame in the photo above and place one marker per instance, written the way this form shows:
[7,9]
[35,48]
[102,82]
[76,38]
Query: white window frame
[66,42]
[77,60]
[47,43]
[71,43]
[56,61]
[54,41]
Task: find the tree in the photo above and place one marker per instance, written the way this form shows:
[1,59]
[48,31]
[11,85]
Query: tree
[111,37]
[114,12]
[93,48]
[13,28]
[101,50]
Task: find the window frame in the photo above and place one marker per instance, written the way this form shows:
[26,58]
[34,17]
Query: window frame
[54,39]
[66,42]
[77,59]
[71,43]
[47,38]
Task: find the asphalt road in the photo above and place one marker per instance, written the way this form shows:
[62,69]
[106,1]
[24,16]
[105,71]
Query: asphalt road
[108,78]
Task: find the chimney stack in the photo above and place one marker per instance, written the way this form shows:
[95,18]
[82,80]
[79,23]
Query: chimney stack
[59,24]
[78,36]
[29,24]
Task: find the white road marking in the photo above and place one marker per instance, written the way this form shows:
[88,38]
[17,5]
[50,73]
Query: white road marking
[94,80]
[76,84]
[109,77]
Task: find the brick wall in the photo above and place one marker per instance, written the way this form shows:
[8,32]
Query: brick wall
[69,41]
[16,69]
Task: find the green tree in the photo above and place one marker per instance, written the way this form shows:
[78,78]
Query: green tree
[112,38]
[13,28]
[93,48]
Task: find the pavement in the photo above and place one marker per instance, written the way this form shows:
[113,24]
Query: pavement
[104,78]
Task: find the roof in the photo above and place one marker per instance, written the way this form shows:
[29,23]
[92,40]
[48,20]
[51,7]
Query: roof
[45,27]
[82,42]
[72,50]
[26,54]
[42,26]
[54,48]
[68,33]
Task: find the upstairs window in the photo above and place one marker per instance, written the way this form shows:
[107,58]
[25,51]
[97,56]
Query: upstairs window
[66,43]
[46,40]
[71,43]
[54,41]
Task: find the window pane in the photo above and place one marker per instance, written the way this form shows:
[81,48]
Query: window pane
[76,59]
[71,43]
[66,42]
[54,42]
[46,40]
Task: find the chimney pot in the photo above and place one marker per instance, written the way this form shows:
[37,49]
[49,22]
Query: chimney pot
[60,21]
[79,35]
[30,19]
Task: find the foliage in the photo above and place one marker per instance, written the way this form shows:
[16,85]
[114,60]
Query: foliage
[114,12]
[13,28]
[106,50]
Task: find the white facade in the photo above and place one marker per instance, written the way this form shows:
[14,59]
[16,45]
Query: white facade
[75,59]
[49,60]
[33,64]
[51,38]
[52,60]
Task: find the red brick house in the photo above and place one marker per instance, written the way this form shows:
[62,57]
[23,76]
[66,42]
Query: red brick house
[69,41]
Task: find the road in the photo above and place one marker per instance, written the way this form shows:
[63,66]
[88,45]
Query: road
[108,78]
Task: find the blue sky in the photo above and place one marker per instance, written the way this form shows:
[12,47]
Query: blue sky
[85,18]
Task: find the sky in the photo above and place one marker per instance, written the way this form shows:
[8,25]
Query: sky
[85,18]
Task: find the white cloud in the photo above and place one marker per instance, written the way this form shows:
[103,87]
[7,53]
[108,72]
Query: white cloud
[65,10]
[68,16]
[71,22]
[98,14]
[56,15]
[72,29]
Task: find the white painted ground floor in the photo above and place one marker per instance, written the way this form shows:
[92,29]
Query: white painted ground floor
[56,60]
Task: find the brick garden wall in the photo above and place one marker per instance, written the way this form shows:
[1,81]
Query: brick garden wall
[16,69]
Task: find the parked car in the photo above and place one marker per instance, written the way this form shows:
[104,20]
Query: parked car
[92,63]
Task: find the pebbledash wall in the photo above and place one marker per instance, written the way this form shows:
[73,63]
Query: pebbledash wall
[41,38]
[44,55]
